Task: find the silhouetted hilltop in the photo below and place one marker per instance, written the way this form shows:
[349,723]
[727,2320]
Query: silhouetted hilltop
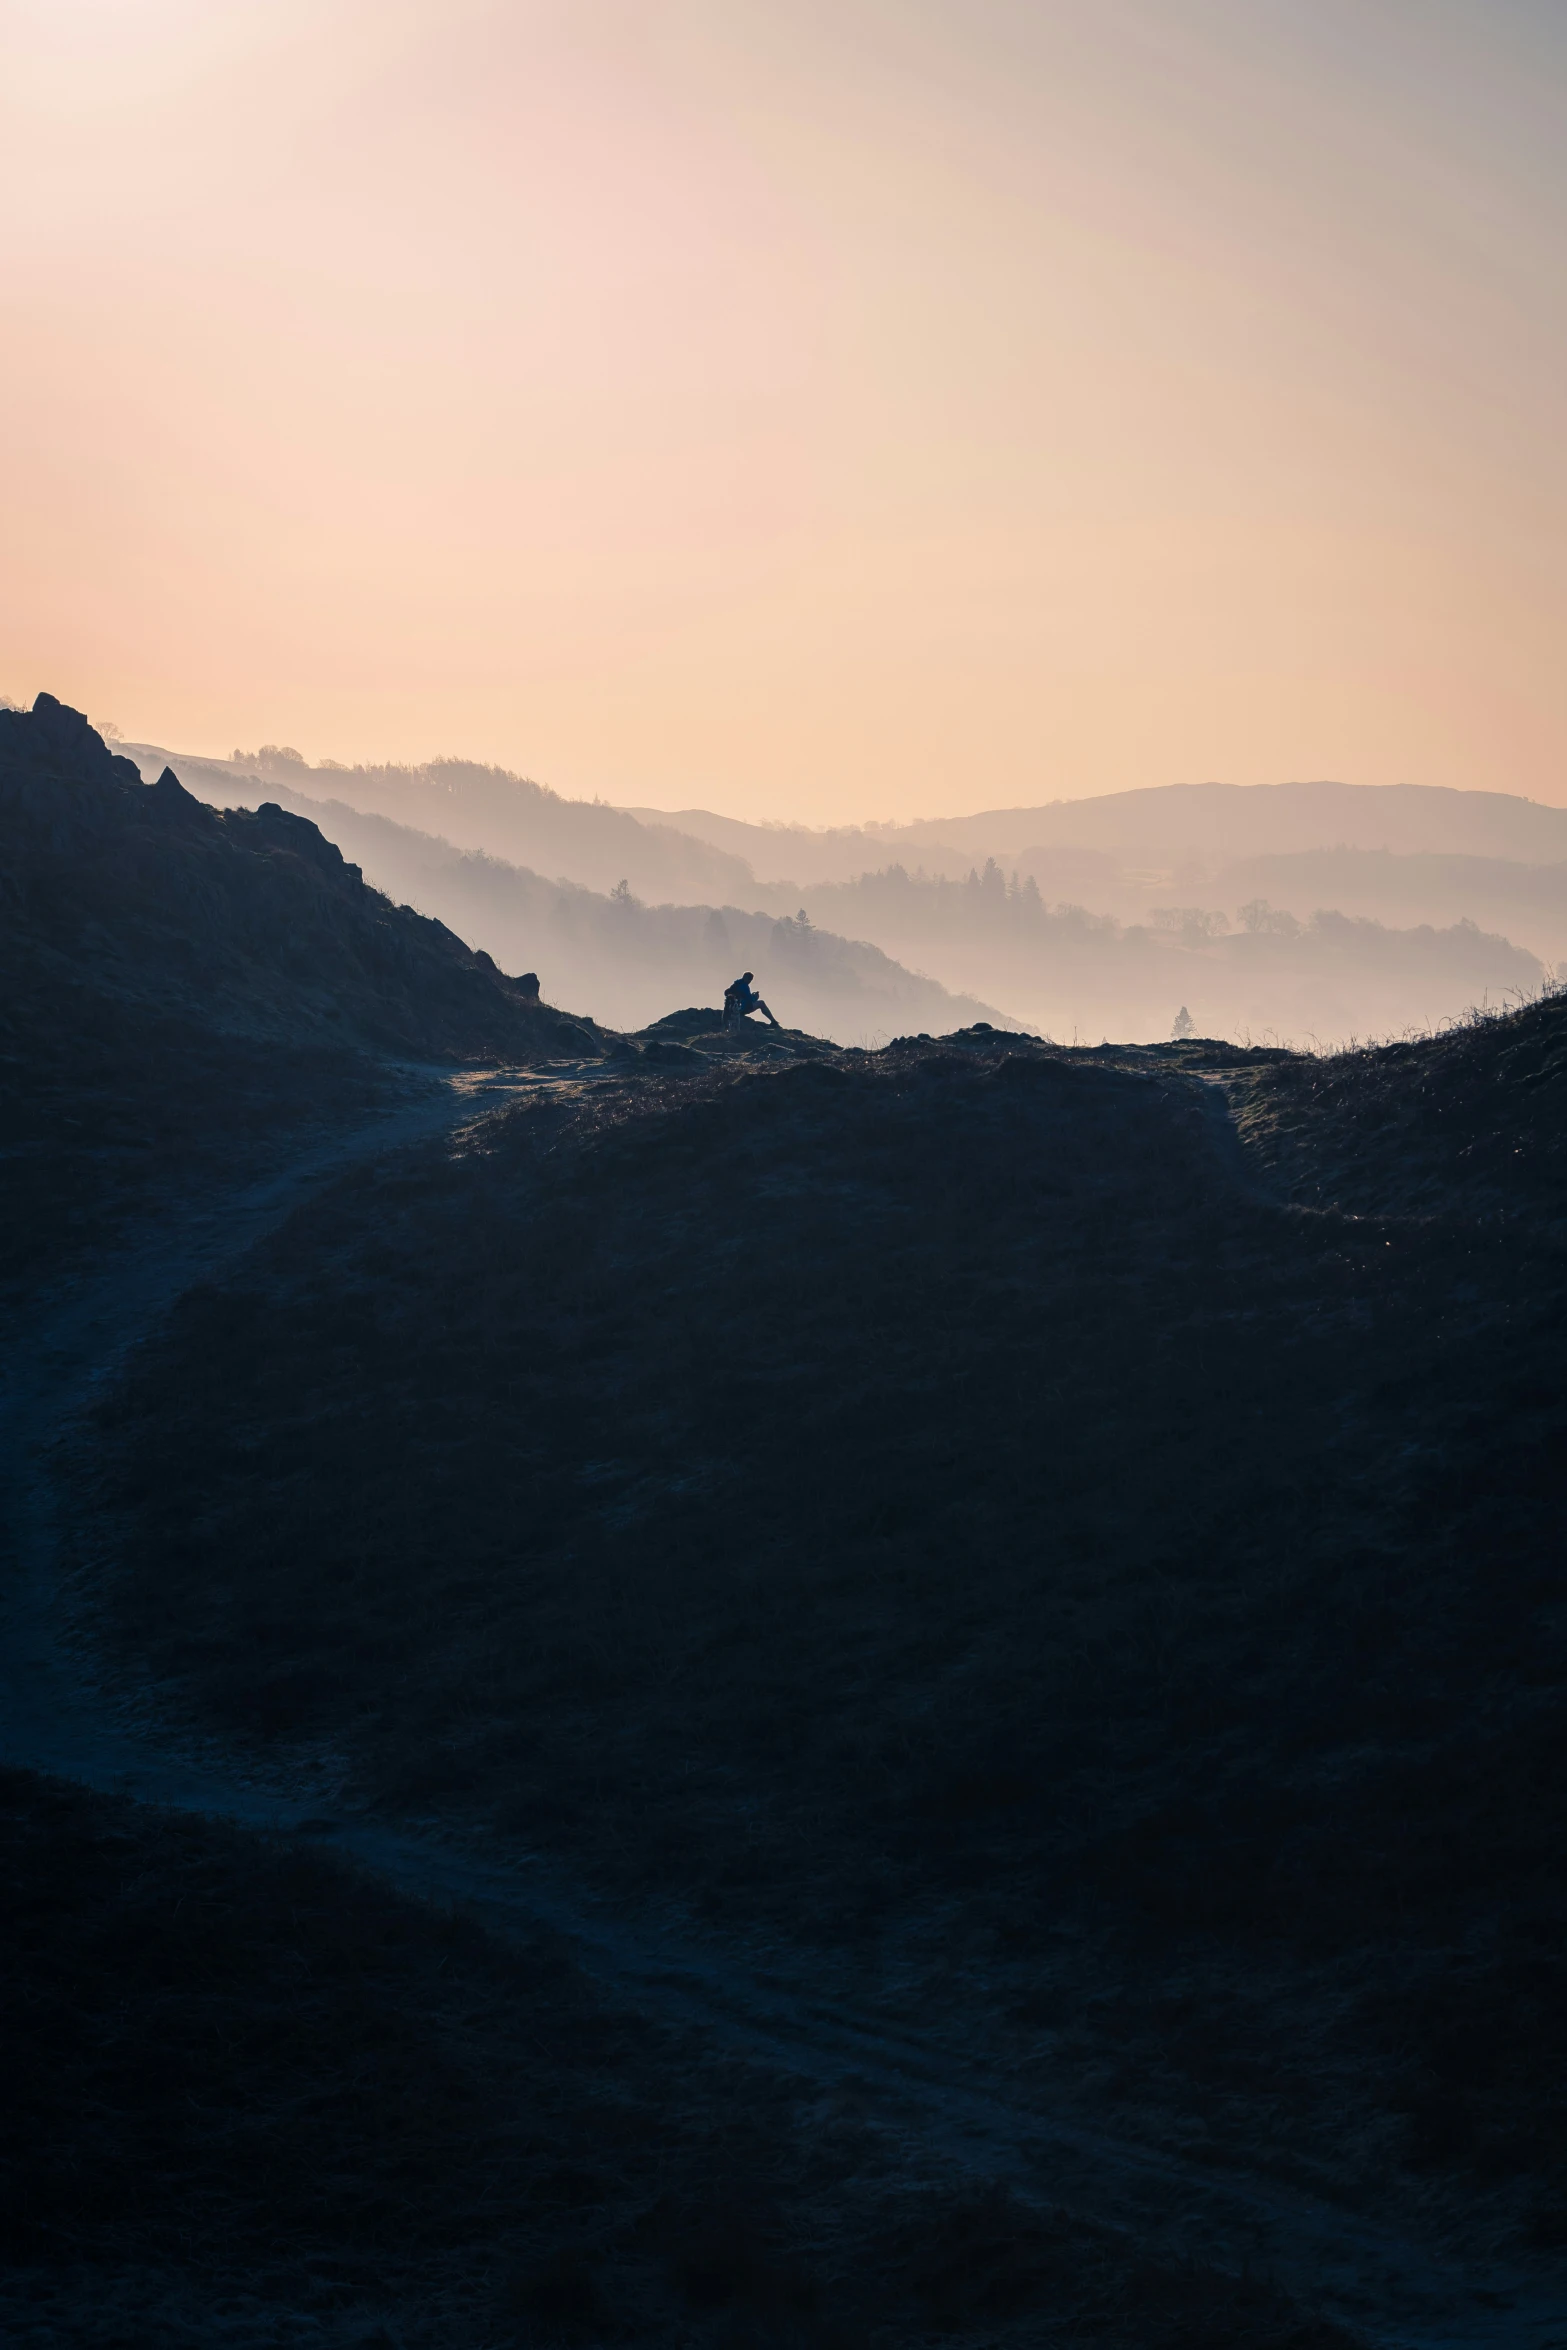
[630,960]
[182,990]
[249,920]
[1472,1122]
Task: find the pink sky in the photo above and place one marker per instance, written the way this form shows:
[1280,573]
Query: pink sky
[811,411]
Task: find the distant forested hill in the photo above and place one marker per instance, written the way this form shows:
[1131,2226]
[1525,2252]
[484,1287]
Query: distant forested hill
[1267,972]
[1305,910]
[1528,902]
[632,962]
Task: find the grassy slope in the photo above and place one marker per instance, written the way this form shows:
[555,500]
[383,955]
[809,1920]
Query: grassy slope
[254,2099]
[185,996]
[1472,1122]
[922,1511]
[110,1110]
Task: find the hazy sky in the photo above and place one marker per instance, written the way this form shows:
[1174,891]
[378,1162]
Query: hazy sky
[824,409]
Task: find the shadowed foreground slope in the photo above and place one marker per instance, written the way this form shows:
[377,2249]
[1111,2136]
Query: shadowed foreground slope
[931,1518]
[259,2101]
[1471,1124]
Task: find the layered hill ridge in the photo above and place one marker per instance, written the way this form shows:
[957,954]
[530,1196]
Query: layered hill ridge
[633,960]
[630,958]
[1306,944]
[1067,970]
[478,807]
[1163,822]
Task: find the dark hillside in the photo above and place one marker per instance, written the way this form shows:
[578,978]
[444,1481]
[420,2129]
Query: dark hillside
[1470,1123]
[177,986]
[247,919]
[932,1517]
[258,2100]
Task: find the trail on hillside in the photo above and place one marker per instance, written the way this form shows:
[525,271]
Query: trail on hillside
[946,2108]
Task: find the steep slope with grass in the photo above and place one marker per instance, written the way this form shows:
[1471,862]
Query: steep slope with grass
[181,989]
[249,920]
[1473,1122]
[936,1521]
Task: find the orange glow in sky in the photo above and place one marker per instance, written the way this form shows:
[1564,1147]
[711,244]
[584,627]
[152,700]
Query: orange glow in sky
[816,411]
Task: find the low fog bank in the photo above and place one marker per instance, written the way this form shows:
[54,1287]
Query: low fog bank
[617,959]
[1303,912]
[1264,972]
[1525,903]
[1528,903]
[1309,911]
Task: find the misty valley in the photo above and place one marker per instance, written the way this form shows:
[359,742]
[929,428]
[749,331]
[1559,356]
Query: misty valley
[1085,921]
[892,1674]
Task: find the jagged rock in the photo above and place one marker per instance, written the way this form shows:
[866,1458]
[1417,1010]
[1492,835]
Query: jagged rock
[250,921]
[664,1053]
[695,1020]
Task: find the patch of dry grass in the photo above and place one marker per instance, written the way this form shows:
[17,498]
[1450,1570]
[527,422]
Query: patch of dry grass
[250,2098]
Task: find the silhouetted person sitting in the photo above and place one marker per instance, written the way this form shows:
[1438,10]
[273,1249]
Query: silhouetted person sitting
[742,998]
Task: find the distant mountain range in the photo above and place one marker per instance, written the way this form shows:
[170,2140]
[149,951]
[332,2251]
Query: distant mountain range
[635,962]
[1268,973]
[1167,823]
[485,808]
[1526,901]
[1313,909]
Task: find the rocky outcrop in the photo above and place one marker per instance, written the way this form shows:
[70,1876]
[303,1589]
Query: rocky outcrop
[249,920]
